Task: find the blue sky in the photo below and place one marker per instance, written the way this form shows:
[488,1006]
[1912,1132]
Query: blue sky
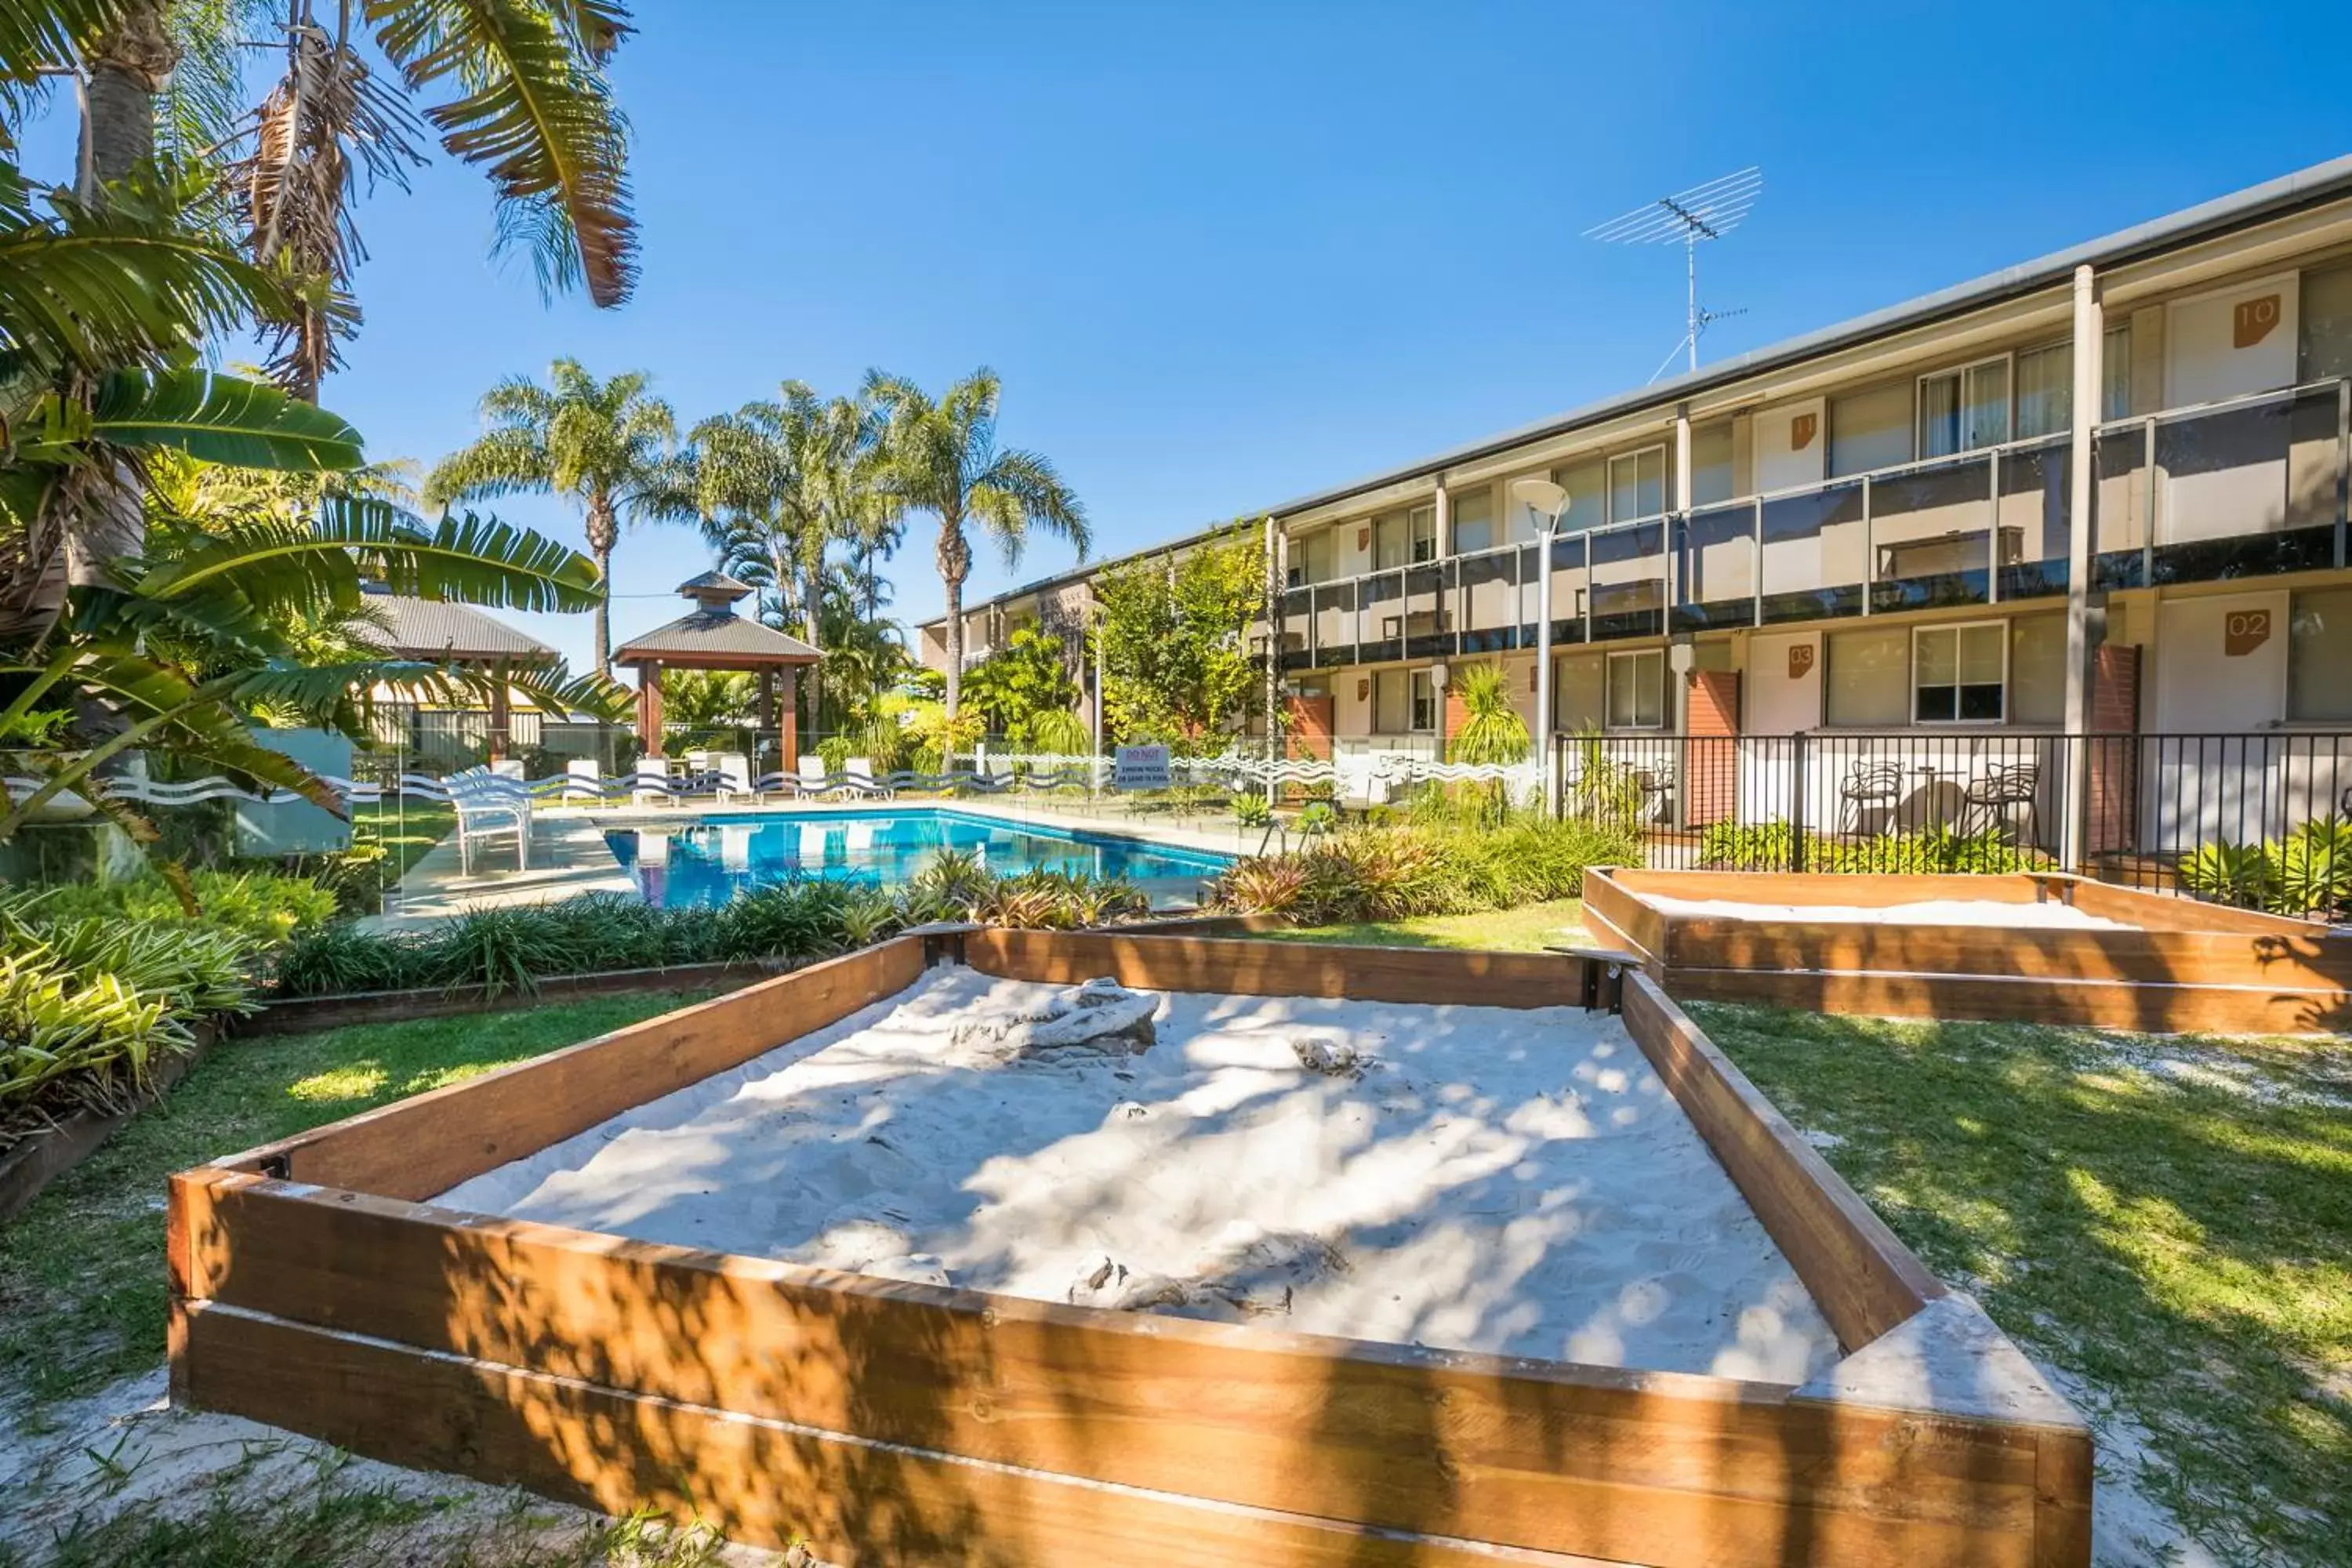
[1223,255]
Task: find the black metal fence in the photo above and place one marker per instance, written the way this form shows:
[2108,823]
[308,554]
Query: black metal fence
[2260,819]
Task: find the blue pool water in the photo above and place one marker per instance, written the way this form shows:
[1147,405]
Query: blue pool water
[709,862]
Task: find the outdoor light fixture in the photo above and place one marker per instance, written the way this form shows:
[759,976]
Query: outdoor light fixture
[1549,501]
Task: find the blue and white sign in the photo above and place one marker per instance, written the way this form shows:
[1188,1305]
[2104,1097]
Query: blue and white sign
[1141,767]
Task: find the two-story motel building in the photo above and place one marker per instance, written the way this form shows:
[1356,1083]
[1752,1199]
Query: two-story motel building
[2103,490]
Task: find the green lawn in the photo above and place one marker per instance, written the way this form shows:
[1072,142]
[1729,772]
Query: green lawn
[81,1272]
[1524,929]
[2169,1219]
[406,829]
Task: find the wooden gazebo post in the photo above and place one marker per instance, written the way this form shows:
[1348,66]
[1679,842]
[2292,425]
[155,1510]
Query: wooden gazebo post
[649,708]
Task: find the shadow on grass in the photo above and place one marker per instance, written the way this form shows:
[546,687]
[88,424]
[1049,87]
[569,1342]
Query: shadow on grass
[2169,1218]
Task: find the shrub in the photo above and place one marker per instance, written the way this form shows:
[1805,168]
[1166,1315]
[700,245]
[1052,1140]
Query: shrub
[1053,732]
[1252,810]
[1317,816]
[835,752]
[1772,845]
[89,1007]
[2309,874]
[260,905]
[1422,868]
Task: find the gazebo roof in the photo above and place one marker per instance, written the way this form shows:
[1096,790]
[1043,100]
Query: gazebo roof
[439,629]
[714,634]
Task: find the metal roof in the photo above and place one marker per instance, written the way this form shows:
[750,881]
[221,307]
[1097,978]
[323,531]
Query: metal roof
[713,583]
[715,633]
[2304,187]
[435,628]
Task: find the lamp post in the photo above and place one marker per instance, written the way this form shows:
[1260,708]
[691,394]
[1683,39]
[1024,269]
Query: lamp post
[1549,501]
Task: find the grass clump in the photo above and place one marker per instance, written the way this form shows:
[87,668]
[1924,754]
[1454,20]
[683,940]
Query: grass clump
[2167,1219]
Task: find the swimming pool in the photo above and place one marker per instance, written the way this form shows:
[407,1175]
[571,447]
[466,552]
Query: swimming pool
[707,862]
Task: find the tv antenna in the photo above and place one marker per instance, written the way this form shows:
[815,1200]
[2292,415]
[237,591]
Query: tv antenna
[1703,212]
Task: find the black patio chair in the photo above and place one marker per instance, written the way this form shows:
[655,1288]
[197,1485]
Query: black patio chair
[1867,786]
[1991,799]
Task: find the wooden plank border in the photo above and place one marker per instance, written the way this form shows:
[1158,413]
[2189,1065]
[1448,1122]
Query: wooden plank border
[881,1419]
[1665,1468]
[429,1142]
[1864,1278]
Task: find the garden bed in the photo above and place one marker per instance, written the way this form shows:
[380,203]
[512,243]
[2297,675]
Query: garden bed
[889,1419]
[2039,946]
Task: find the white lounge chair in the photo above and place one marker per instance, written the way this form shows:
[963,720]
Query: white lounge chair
[860,780]
[583,777]
[815,777]
[489,806]
[735,779]
[651,777]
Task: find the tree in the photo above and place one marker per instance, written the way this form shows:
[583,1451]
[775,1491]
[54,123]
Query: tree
[606,447]
[1491,731]
[1174,637]
[521,93]
[942,458]
[778,484]
[1028,676]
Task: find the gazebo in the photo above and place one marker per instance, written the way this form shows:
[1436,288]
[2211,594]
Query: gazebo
[713,637]
[444,632]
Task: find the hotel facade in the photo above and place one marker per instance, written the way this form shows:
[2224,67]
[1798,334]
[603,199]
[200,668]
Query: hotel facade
[2099,494]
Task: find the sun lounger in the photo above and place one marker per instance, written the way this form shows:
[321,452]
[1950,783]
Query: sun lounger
[489,806]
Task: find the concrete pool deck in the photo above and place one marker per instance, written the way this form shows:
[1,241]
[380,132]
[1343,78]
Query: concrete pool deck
[569,854]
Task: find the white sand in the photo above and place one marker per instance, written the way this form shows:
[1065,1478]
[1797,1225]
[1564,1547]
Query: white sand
[2046,915]
[1479,1178]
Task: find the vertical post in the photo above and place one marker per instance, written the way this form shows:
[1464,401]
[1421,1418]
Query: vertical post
[502,720]
[1094,766]
[788,723]
[649,709]
[1799,787]
[2343,466]
[2081,494]
[1443,506]
[1544,537]
[1273,716]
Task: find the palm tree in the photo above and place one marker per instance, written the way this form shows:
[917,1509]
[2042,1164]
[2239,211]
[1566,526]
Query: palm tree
[778,484]
[606,446]
[521,93]
[942,457]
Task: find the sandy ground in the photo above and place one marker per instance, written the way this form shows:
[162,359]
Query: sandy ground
[1459,1178]
[1932,911]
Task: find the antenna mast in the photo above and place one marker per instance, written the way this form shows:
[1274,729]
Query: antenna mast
[1708,211]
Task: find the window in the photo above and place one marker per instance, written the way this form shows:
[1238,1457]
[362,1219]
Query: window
[1420,533]
[2325,324]
[1868,678]
[1576,694]
[1959,674]
[2046,383]
[1711,476]
[1392,538]
[2318,652]
[2037,669]
[1870,430]
[1962,410]
[1474,520]
[1587,484]
[1310,559]
[1424,702]
[1637,484]
[1637,689]
[1391,702]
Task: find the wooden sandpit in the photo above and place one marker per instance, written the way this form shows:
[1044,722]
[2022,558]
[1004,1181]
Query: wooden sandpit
[2042,947]
[890,1421]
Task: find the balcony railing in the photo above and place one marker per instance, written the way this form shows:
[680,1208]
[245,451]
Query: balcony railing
[2247,487]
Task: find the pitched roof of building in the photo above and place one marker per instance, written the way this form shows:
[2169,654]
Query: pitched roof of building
[716,633]
[434,629]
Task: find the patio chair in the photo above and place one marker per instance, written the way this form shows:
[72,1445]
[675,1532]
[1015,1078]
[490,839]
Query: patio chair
[581,776]
[735,779]
[489,806]
[1990,800]
[1868,786]
[860,781]
[651,777]
[814,778]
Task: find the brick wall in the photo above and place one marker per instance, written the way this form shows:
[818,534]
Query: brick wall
[2111,818]
[1711,791]
[1309,727]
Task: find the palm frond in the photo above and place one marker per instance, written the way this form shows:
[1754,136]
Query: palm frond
[465,559]
[45,34]
[499,463]
[95,287]
[221,419]
[537,112]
